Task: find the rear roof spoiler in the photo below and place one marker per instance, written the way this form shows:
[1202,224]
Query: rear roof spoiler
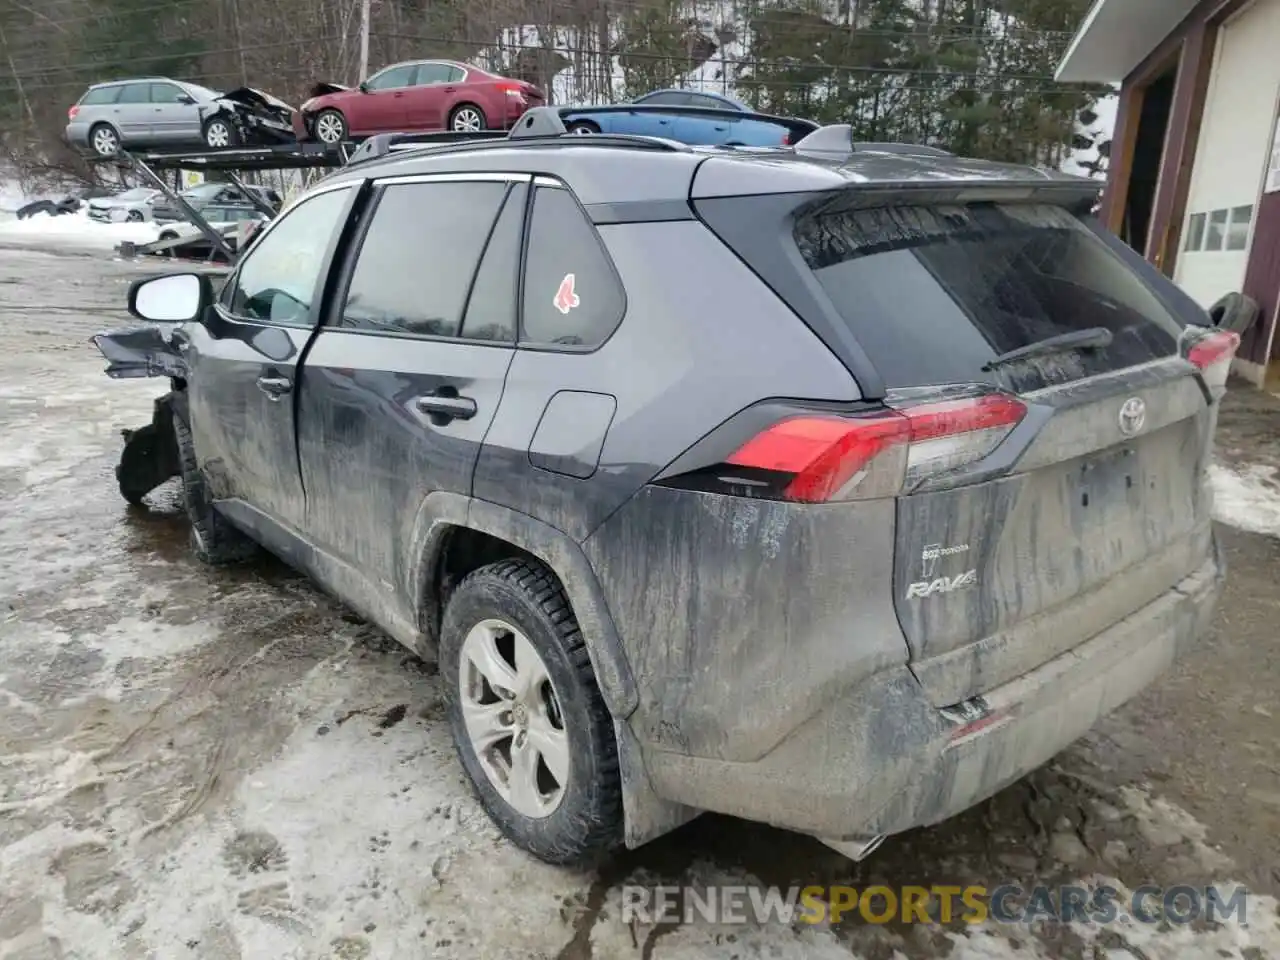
[837,140]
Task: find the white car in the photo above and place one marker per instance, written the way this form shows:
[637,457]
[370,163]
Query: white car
[236,222]
[131,206]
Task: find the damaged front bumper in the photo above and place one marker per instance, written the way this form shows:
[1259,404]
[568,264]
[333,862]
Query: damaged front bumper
[140,352]
[882,759]
[258,118]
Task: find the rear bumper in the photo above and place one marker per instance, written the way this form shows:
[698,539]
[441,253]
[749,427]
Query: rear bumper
[882,759]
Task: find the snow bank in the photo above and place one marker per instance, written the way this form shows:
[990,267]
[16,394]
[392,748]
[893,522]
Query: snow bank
[73,230]
[1248,497]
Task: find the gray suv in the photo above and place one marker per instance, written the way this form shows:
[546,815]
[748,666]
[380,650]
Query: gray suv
[832,486]
[145,112]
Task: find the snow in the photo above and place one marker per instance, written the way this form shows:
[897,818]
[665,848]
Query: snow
[1247,497]
[1100,132]
[74,230]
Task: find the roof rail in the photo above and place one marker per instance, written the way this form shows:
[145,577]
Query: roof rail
[538,126]
[909,149]
[837,140]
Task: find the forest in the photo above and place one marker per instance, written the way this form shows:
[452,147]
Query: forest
[973,76]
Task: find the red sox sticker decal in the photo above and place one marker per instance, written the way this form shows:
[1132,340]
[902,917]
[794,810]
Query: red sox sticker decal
[565,298]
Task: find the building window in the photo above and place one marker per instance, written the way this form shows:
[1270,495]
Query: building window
[1195,232]
[1217,230]
[1238,231]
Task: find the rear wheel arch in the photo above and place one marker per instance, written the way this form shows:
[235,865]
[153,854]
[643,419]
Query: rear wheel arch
[454,534]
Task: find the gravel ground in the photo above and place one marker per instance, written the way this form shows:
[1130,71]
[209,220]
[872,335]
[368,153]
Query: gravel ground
[226,764]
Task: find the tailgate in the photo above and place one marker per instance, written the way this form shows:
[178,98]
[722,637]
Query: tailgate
[1090,500]
[1106,509]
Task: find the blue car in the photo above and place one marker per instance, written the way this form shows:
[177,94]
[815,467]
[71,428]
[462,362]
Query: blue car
[707,119]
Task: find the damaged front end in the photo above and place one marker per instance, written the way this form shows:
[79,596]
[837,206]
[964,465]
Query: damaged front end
[150,454]
[140,352]
[257,118]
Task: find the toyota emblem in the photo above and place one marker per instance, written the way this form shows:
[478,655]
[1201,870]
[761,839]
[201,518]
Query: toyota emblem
[1133,416]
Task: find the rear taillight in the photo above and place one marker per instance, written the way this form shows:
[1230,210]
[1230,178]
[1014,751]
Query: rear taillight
[511,88]
[786,140]
[71,113]
[1212,353]
[821,457]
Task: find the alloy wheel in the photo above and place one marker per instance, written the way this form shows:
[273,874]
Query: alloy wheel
[329,129]
[105,141]
[513,719]
[218,135]
[468,119]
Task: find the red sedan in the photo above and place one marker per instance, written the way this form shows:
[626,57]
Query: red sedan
[422,95]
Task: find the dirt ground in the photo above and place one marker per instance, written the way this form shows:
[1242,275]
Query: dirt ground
[226,764]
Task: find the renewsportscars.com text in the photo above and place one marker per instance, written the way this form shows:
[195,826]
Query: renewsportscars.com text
[1008,903]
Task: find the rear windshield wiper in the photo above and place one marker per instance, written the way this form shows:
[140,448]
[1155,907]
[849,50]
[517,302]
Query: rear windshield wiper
[1093,338]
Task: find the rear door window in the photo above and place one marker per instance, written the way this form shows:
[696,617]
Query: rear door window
[572,294]
[429,73]
[934,293]
[135,93]
[100,96]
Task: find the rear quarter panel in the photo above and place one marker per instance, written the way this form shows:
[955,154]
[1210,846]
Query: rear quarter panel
[702,339]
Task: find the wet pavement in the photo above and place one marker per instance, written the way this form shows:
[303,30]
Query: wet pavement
[226,764]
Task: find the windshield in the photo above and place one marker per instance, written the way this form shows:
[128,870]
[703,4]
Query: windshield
[203,93]
[934,293]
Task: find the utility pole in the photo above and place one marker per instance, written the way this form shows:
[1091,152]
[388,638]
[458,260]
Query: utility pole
[364,39]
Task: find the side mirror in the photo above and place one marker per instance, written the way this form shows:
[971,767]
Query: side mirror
[175,298]
[364,86]
[186,101]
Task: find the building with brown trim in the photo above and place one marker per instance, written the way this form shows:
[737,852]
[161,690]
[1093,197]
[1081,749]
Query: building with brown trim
[1194,177]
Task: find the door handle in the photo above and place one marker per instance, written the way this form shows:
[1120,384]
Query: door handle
[274,387]
[446,407]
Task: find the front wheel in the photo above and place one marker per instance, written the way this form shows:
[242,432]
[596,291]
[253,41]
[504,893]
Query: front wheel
[467,118]
[526,714]
[213,539]
[583,127]
[330,127]
[219,134]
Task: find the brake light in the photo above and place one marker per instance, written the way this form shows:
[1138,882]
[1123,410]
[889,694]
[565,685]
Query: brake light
[786,140]
[821,458]
[71,113]
[511,88]
[1212,354]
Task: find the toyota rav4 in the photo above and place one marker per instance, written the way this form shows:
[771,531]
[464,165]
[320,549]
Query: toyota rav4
[835,486]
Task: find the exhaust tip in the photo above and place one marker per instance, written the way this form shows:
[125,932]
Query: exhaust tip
[855,848]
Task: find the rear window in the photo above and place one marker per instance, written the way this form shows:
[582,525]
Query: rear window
[934,293]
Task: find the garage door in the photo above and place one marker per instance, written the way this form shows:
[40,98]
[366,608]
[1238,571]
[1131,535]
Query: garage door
[1232,155]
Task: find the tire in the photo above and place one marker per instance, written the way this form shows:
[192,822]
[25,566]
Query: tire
[467,117]
[1235,312]
[104,140]
[134,216]
[583,127]
[330,127]
[213,540]
[219,134]
[585,822]
[139,470]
